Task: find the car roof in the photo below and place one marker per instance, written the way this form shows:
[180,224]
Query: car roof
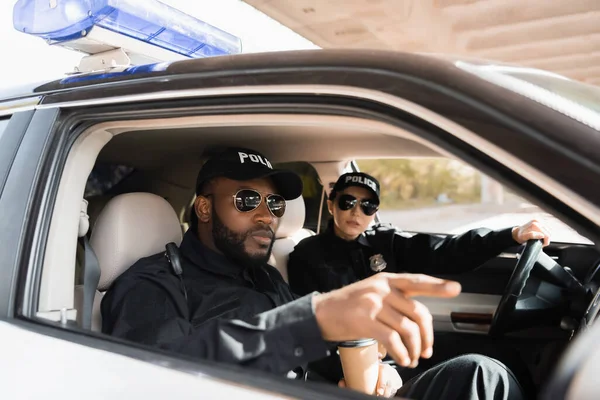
[424,65]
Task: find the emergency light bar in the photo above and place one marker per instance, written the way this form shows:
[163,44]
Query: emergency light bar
[147,31]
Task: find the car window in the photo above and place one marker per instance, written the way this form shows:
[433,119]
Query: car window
[447,196]
[312,194]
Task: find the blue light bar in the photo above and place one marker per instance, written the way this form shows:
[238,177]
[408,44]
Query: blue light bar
[59,21]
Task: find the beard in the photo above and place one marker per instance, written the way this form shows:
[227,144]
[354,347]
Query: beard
[232,244]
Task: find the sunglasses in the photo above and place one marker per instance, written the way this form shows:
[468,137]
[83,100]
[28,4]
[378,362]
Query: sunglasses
[247,200]
[347,202]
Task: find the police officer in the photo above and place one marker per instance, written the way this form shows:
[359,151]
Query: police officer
[227,304]
[349,251]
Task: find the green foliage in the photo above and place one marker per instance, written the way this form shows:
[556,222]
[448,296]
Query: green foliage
[411,183]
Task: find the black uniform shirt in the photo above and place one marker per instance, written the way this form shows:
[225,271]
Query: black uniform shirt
[244,316]
[325,262]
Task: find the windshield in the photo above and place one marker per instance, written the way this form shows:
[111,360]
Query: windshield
[438,195]
[571,98]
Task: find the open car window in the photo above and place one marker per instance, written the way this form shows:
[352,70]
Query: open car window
[438,195]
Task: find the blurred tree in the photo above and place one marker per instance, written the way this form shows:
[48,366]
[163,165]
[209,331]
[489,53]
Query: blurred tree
[419,182]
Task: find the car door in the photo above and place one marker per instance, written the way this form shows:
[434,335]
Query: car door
[58,362]
[470,119]
[47,348]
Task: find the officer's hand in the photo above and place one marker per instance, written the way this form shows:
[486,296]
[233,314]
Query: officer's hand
[380,307]
[381,350]
[388,382]
[534,229]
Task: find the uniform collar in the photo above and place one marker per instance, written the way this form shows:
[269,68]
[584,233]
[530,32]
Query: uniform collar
[207,259]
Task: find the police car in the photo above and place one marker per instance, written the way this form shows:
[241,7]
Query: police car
[70,146]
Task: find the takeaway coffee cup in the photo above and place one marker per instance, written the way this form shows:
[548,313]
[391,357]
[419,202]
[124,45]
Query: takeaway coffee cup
[360,363]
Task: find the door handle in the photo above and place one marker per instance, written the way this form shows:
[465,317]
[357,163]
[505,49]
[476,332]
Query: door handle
[471,318]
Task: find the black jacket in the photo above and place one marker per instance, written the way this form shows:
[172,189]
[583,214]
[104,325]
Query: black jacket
[243,316]
[325,262]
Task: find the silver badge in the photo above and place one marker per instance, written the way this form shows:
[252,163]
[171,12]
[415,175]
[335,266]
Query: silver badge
[377,263]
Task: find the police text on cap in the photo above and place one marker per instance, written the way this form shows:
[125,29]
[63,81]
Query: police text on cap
[254,158]
[363,181]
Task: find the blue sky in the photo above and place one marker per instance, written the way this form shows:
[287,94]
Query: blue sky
[29,59]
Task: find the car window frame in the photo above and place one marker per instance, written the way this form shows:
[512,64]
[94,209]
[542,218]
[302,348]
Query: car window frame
[60,130]
[366,106]
[10,139]
[4,121]
[25,144]
[398,121]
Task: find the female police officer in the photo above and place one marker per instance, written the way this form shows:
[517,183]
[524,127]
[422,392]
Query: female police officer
[348,251]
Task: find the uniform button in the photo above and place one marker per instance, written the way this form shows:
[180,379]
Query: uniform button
[298,351]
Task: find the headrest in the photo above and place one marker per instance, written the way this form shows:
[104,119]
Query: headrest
[132,226]
[293,219]
[95,206]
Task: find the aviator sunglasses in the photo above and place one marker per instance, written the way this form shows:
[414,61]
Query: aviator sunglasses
[347,202]
[247,200]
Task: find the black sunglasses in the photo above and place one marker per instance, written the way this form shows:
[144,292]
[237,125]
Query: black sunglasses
[347,202]
[247,200]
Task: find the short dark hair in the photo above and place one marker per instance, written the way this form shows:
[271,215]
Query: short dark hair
[332,194]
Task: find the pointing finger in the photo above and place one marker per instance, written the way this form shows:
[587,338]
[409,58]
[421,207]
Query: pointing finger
[424,285]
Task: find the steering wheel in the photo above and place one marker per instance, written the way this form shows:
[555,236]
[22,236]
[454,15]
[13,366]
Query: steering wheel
[508,304]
